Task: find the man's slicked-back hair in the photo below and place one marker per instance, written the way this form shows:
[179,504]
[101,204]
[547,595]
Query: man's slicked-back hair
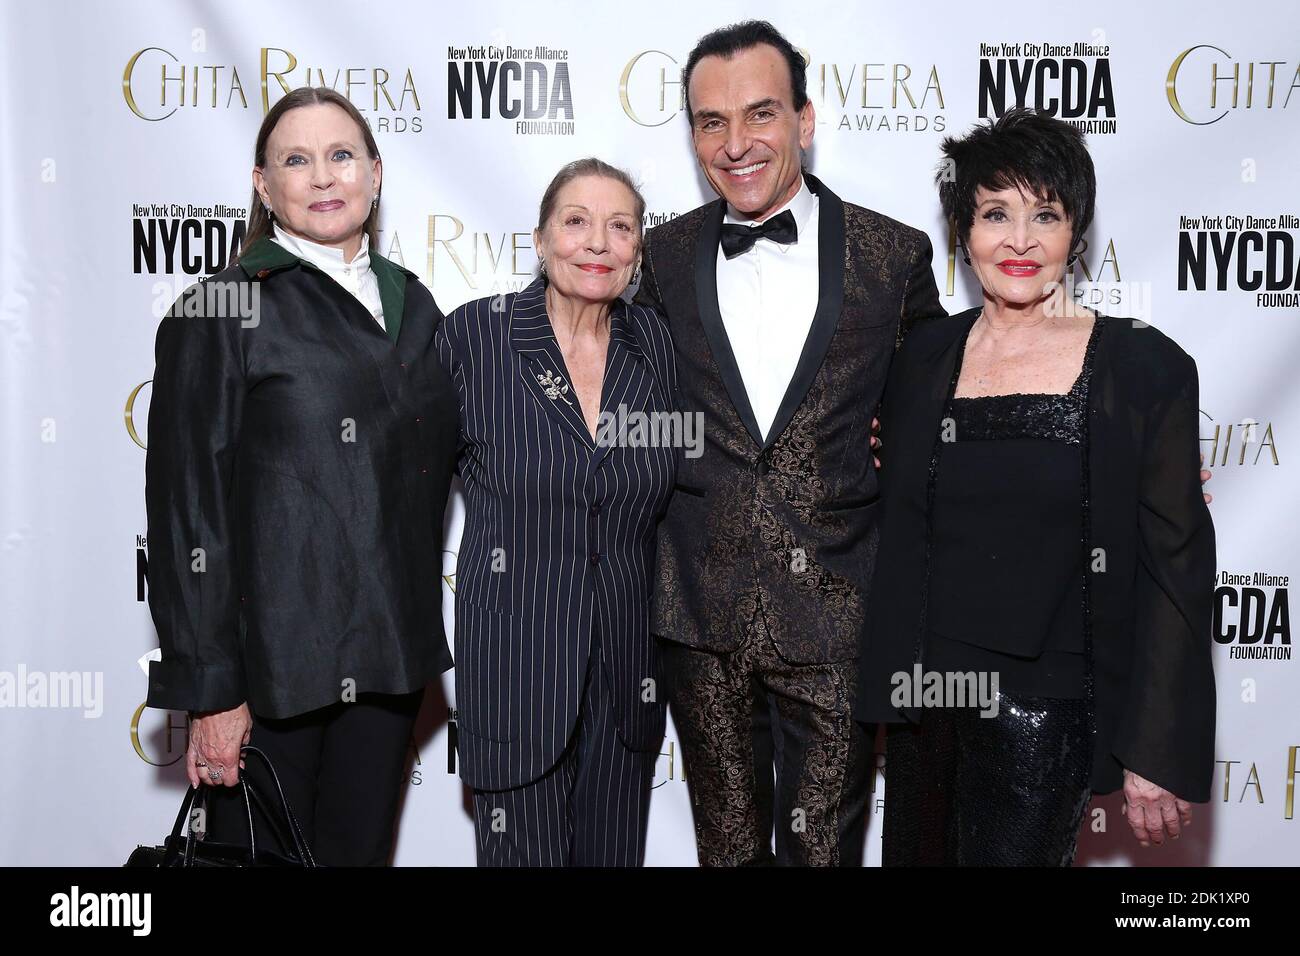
[1025,149]
[727,41]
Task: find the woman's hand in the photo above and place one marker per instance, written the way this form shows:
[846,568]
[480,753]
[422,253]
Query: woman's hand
[1152,811]
[215,739]
[875,440]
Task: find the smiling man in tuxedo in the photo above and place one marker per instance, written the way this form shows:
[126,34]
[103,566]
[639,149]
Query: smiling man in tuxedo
[785,305]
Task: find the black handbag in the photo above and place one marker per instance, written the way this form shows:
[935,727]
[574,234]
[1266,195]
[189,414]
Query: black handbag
[189,849]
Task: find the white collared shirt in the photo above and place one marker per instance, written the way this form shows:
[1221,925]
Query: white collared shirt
[355,276]
[768,297]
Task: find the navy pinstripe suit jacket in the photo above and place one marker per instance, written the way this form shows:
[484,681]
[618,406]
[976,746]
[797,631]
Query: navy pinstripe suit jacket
[559,542]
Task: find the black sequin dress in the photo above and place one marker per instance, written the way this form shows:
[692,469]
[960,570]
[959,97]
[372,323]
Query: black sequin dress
[1007,595]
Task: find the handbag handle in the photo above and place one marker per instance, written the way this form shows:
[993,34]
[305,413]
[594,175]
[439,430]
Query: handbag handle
[196,798]
[295,831]
[200,802]
[169,858]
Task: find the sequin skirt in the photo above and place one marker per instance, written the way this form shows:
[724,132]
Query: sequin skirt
[1008,790]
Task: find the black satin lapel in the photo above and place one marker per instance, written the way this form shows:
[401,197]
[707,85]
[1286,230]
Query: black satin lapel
[706,294]
[831,253]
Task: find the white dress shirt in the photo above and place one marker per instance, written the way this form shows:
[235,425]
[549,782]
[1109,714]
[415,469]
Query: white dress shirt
[355,276]
[768,297]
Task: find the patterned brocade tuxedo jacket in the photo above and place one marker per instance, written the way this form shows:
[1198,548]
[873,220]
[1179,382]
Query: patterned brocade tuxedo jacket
[787,525]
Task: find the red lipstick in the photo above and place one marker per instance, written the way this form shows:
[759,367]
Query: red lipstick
[1020,267]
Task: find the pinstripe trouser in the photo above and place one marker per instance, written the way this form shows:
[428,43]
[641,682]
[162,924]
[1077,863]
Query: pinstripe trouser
[590,809]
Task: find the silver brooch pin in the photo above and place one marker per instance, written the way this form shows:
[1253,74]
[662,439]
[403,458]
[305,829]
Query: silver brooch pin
[554,386]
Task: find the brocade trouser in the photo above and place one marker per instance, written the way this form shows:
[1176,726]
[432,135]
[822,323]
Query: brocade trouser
[822,755]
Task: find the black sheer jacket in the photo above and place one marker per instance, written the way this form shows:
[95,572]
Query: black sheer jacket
[298,465]
[1149,541]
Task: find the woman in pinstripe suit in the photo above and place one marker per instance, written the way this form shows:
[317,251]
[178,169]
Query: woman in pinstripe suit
[559,707]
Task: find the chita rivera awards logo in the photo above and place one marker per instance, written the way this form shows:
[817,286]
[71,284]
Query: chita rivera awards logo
[877,97]
[1242,253]
[1205,83]
[1248,785]
[650,88]
[158,83]
[527,86]
[849,93]
[159,737]
[487,260]
[1238,443]
[1071,81]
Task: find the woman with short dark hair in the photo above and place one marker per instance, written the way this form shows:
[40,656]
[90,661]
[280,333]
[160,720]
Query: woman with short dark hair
[1045,545]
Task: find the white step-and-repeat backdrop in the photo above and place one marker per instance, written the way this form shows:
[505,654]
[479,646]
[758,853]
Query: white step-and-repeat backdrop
[127,133]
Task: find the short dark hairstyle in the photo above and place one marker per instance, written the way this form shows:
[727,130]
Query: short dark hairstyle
[730,40]
[1023,148]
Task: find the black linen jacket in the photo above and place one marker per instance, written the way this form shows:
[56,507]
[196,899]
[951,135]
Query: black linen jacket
[298,466]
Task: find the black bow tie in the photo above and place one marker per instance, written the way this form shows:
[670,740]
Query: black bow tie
[737,239]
